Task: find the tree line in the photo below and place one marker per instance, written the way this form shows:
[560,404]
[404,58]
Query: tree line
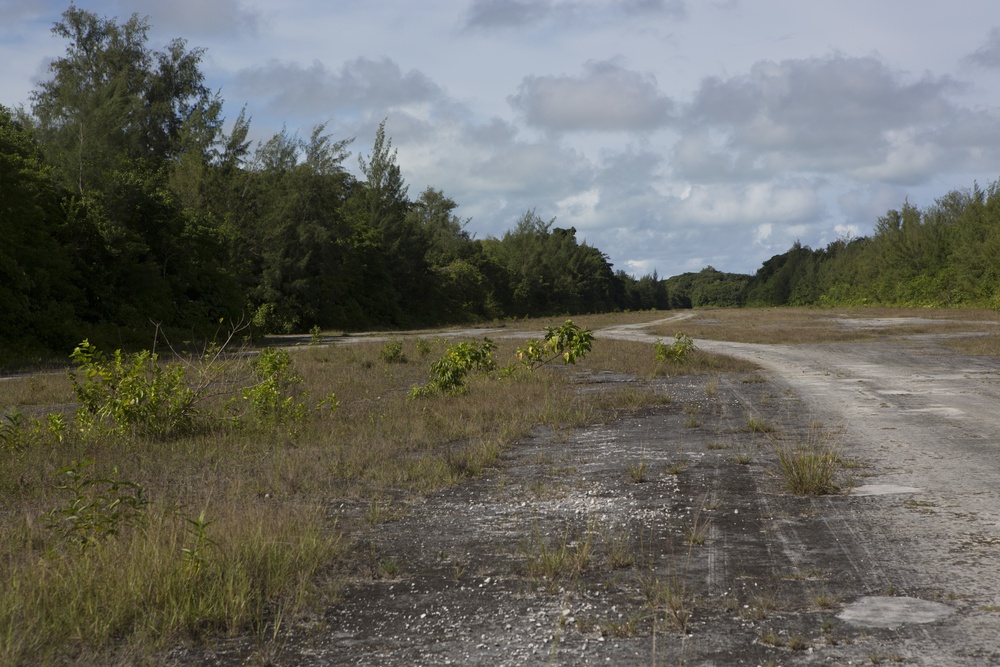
[125,202]
[946,255]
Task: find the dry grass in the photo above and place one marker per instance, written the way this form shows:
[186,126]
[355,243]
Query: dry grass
[34,391]
[982,346]
[815,325]
[263,492]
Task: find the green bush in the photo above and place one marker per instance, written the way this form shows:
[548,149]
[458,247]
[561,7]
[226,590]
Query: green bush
[269,398]
[678,351]
[568,341]
[392,352]
[131,394]
[448,373]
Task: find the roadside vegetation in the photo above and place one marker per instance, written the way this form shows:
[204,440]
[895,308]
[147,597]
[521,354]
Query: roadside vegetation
[150,500]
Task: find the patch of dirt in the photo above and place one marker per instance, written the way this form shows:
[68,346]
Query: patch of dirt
[666,537]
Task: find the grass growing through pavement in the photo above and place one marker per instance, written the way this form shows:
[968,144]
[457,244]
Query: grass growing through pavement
[227,529]
[809,468]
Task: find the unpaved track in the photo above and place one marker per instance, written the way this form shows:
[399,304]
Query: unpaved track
[927,421]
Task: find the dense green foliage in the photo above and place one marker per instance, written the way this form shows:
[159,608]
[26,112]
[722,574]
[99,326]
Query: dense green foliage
[945,255]
[125,204]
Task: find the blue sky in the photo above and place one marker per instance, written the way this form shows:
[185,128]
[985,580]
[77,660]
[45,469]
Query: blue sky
[671,134]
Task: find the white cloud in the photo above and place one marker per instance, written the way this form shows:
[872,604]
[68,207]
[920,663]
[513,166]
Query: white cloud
[742,206]
[607,98]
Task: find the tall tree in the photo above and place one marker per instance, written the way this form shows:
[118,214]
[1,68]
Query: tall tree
[111,97]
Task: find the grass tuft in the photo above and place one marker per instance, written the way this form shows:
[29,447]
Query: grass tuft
[808,469]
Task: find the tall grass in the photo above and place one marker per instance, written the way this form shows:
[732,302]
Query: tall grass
[139,590]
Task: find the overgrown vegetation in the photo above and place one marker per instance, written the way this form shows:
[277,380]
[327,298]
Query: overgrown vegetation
[123,536]
[809,468]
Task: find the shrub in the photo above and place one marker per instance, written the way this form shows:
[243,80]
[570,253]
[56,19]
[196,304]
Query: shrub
[269,398]
[448,373]
[392,352]
[677,351]
[568,341]
[131,393]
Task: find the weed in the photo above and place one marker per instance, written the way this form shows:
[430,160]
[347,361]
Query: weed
[808,469]
[18,433]
[772,638]
[755,425]
[196,555]
[392,352]
[744,456]
[562,562]
[824,601]
[315,335]
[382,511]
[623,629]
[618,548]
[677,351]
[638,472]
[387,569]
[423,347]
[716,445]
[99,507]
[696,533]
[676,467]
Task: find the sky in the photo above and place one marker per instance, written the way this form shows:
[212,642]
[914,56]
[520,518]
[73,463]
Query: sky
[672,134]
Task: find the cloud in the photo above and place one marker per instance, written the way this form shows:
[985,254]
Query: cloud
[606,98]
[819,115]
[359,86]
[490,14]
[745,205]
[195,17]
[674,8]
[863,205]
[987,55]
[509,14]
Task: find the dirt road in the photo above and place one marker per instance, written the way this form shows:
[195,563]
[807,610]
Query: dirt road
[927,421]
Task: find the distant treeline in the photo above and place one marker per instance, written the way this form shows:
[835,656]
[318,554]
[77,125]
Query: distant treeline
[124,204]
[945,255]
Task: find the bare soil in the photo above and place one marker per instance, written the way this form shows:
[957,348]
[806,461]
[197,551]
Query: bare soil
[708,560]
